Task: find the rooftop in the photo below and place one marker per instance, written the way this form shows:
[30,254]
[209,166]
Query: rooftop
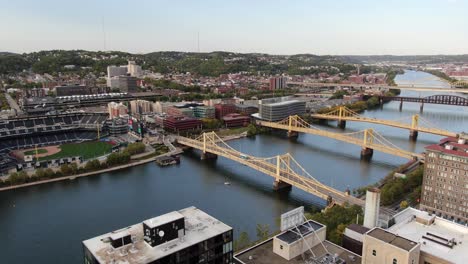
[263,254]
[452,146]
[199,226]
[440,237]
[305,229]
[392,239]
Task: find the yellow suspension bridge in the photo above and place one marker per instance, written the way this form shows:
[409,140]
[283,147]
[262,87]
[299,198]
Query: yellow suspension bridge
[418,124]
[368,139]
[283,168]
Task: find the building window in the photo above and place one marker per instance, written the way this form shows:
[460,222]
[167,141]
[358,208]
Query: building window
[374,253]
[395,261]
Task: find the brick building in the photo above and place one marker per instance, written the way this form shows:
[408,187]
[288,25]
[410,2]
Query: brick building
[445,183]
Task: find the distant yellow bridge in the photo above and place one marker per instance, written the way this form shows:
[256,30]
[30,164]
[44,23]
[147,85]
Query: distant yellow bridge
[284,168]
[368,139]
[343,114]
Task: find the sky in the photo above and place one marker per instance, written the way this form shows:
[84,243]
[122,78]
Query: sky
[326,27]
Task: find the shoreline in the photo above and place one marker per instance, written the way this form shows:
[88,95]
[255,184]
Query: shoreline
[86,174]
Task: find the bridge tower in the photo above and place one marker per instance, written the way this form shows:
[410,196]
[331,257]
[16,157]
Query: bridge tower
[292,122]
[278,184]
[366,151]
[207,155]
[414,128]
[341,114]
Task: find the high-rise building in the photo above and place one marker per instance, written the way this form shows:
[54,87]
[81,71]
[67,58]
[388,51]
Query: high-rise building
[276,109]
[116,109]
[138,107]
[113,71]
[277,83]
[445,182]
[124,83]
[185,236]
[134,69]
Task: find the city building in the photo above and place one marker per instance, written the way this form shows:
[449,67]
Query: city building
[179,111]
[113,71]
[235,120]
[177,124]
[117,109]
[117,126]
[204,112]
[277,83]
[246,109]
[138,107]
[134,69]
[381,246]
[276,109]
[124,83]
[67,90]
[301,243]
[185,236]
[224,109]
[445,181]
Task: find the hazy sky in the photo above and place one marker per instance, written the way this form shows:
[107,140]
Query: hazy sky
[276,27]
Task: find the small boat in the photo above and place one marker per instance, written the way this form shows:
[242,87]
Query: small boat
[227,183]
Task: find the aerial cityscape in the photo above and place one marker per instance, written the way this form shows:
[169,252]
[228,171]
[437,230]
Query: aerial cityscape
[244,132]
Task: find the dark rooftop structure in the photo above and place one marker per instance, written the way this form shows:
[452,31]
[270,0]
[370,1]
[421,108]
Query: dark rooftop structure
[392,239]
[305,229]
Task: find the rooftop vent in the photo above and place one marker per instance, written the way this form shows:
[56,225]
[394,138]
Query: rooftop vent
[449,147]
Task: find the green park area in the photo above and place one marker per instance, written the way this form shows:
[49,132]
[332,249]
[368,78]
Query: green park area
[86,150]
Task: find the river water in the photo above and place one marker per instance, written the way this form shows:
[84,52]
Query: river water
[46,223]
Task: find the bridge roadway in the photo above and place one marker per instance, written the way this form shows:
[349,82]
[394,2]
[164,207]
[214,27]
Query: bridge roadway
[278,167]
[376,86]
[391,123]
[368,139]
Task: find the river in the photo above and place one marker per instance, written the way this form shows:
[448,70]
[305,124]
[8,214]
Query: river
[46,223]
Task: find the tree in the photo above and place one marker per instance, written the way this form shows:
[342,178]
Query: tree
[74,168]
[251,130]
[49,173]
[93,165]
[242,242]
[403,204]
[65,169]
[263,231]
[40,173]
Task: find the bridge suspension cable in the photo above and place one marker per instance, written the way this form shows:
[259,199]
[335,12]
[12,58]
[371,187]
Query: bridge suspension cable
[417,123]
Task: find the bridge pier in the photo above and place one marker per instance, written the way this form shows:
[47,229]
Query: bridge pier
[366,153]
[292,134]
[281,185]
[421,107]
[208,156]
[401,105]
[342,124]
[329,200]
[413,135]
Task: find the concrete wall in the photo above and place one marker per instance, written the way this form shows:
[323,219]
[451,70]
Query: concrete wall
[385,253]
[290,251]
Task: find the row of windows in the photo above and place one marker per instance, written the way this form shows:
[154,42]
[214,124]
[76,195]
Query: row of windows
[394,261]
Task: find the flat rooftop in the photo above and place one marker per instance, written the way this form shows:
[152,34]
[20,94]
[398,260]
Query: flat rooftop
[263,254]
[199,226]
[305,229]
[392,239]
[434,237]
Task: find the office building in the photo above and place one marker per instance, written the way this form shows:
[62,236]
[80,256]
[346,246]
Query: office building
[138,107]
[116,109]
[185,236]
[277,83]
[134,69]
[414,237]
[444,190]
[204,112]
[276,109]
[124,83]
[302,243]
[178,124]
[67,90]
[224,109]
[113,71]
[235,120]
[381,246]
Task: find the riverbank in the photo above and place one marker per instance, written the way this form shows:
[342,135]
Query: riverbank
[136,161]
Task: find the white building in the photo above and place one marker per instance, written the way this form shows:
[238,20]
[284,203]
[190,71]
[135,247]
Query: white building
[134,69]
